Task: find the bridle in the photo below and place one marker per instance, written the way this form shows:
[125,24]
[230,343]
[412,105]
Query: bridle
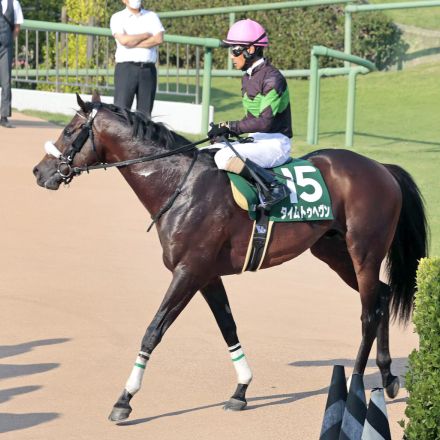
[67,171]
[66,159]
[65,168]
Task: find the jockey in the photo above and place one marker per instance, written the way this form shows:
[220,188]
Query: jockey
[267,115]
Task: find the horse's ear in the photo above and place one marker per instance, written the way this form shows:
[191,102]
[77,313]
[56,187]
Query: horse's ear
[96,97]
[81,103]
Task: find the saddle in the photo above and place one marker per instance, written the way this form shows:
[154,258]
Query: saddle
[309,200]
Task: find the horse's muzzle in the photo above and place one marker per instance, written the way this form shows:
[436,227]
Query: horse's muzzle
[47,176]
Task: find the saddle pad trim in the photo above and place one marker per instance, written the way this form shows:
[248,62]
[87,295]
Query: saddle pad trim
[249,249]
[239,198]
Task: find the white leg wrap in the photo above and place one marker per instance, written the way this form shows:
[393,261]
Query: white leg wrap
[134,382]
[244,373]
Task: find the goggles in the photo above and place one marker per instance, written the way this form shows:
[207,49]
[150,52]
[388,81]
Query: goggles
[237,50]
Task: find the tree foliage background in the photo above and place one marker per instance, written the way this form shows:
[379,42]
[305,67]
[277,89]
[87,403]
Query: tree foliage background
[292,32]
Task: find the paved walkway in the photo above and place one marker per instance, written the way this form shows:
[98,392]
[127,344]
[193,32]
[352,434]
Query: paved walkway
[80,280]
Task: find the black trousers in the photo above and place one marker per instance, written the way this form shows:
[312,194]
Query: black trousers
[135,79]
[5,80]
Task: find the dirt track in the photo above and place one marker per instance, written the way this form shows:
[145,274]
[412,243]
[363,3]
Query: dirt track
[81,279]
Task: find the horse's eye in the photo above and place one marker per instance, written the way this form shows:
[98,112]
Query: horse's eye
[67,132]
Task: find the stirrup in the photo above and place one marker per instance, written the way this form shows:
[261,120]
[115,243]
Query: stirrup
[277,192]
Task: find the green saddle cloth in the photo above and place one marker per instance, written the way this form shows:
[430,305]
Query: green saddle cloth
[309,199]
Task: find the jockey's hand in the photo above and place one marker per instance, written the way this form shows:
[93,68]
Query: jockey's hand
[218,130]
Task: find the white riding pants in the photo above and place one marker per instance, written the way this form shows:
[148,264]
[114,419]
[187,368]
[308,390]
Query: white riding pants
[268,150]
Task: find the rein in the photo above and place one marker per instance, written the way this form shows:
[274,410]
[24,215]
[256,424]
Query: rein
[67,171]
[124,163]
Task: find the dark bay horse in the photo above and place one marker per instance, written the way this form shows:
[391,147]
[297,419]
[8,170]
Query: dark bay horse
[378,213]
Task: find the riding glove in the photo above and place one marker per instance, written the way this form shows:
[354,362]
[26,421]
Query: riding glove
[218,130]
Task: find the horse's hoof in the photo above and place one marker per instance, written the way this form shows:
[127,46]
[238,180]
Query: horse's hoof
[119,414]
[235,405]
[393,387]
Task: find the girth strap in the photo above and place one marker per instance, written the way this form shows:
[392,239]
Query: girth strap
[259,240]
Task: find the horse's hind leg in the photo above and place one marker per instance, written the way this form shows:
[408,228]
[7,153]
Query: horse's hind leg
[215,295]
[333,251]
[383,359]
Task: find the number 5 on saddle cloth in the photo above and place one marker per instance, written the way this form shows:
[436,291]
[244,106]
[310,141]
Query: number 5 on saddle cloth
[309,200]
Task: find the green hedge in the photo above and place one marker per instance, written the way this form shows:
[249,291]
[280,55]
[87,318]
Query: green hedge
[423,376]
[293,32]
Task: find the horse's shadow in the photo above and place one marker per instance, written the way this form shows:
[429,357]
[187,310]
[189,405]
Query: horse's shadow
[13,422]
[253,404]
[372,380]
[399,367]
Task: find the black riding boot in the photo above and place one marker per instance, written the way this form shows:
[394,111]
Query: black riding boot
[270,190]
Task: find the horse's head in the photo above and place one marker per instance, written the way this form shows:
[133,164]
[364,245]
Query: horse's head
[76,147]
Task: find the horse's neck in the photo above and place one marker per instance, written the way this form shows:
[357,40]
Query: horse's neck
[154,182]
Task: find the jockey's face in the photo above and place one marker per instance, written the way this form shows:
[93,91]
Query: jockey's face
[238,59]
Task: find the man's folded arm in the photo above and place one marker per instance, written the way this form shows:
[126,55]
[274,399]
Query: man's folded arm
[152,41]
[132,40]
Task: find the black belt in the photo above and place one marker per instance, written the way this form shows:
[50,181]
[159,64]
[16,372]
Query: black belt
[140,64]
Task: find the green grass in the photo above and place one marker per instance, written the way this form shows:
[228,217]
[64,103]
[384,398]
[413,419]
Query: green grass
[397,116]
[427,18]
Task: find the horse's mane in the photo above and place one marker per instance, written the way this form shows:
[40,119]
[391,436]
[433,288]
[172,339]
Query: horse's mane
[145,128]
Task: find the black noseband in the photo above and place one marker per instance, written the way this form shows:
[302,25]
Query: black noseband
[65,169]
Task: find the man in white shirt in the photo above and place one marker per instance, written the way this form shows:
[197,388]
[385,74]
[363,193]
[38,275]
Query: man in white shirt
[138,32]
[11,17]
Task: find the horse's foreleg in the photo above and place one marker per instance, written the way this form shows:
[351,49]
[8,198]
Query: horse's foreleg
[182,288]
[383,359]
[216,297]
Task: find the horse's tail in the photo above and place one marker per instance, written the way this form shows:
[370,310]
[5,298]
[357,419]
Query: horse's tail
[409,245]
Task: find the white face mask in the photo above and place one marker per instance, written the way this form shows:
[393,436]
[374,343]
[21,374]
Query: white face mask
[134,4]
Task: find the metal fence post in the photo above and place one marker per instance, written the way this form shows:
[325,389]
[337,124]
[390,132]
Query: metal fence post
[351,105]
[313,86]
[206,92]
[365,66]
[317,109]
[231,22]
[347,35]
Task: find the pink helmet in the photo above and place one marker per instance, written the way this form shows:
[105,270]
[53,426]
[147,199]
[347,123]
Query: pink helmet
[247,33]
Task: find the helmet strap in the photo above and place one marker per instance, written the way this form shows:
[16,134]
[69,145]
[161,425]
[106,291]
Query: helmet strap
[250,58]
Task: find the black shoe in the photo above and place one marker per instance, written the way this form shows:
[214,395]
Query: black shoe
[277,192]
[5,123]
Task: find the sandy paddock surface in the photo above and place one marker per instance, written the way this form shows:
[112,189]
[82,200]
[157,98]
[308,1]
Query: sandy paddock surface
[80,281]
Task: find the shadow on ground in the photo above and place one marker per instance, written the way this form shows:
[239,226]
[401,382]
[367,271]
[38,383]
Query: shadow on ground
[14,350]
[398,368]
[13,422]
[391,139]
[33,124]
[370,380]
